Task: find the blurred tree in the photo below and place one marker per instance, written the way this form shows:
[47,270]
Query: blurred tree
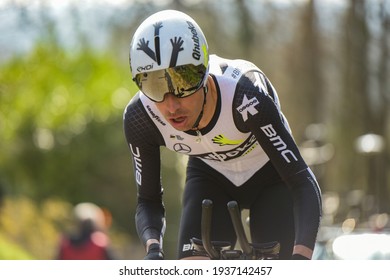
[362,105]
[380,102]
[303,58]
[384,103]
[61,122]
[351,108]
[306,63]
[245,30]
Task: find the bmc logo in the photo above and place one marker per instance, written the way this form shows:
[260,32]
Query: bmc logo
[278,143]
[137,164]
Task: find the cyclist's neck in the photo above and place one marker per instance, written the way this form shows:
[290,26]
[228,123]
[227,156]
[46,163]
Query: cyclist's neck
[210,105]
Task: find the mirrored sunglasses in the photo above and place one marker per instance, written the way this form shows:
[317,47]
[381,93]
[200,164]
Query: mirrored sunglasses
[182,81]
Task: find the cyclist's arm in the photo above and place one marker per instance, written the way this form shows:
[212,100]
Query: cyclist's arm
[269,126]
[144,141]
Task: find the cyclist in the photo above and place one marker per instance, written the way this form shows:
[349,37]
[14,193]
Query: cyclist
[226,116]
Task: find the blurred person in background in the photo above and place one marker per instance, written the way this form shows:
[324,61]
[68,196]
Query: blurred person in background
[89,240]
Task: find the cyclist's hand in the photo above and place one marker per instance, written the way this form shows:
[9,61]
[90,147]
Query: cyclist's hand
[299,257]
[154,252]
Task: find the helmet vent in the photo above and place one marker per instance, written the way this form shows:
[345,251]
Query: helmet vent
[157,27]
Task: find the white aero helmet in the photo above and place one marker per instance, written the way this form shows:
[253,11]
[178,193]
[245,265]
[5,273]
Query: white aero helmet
[169,54]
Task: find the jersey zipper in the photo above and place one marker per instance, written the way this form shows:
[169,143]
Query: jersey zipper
[198,136]
[206,144]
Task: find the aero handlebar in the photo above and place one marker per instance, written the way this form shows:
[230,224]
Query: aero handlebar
[223,249]
[238,227]
[207,208]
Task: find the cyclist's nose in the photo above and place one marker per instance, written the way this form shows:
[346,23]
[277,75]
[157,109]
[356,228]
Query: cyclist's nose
[171,102]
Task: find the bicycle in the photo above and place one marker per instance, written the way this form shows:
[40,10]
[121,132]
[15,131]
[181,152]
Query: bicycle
[224,250]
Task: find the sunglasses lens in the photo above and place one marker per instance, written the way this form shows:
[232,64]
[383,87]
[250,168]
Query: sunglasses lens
[181,81]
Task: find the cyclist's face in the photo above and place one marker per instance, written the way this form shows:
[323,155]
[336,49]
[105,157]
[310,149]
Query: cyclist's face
[181,113]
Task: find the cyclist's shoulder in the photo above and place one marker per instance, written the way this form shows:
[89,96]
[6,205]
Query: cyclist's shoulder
[134,114]
[238,73]
[139,119]
[134,109]
[134,101]
[231,67]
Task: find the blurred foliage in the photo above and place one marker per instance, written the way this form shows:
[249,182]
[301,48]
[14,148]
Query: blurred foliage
[50,100]
[43,224]
[61,124]
[12,251]
[62,137]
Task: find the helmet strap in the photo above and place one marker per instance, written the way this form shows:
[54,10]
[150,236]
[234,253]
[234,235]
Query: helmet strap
[196,124]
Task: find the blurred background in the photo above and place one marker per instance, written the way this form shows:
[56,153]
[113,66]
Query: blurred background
[65,80]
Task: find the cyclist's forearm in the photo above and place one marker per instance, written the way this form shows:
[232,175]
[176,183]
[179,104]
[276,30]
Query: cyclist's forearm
[150,220]
[307,208]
